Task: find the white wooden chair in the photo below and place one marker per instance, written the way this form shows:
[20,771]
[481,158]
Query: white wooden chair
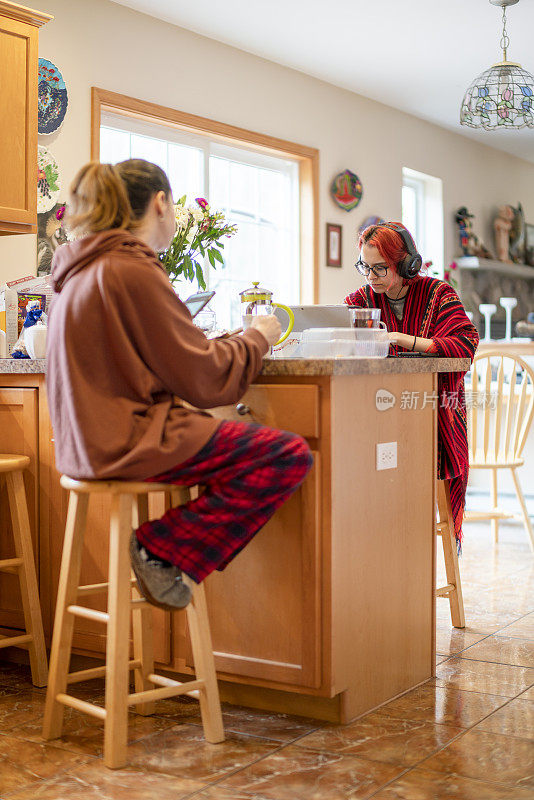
[500,412]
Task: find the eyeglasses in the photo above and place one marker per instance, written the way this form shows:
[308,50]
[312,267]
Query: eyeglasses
[365,269]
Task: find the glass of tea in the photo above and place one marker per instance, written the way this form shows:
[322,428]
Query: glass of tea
[364,317]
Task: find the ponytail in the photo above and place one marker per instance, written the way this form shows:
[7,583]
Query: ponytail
[104,196]
[98,200]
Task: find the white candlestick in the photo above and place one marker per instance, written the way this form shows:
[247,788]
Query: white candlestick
[508,303]
[487,309]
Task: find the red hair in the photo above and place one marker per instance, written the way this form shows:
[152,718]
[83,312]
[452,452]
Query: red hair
[389,244]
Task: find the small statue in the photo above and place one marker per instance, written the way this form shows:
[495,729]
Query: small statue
[34,316]
[469,241]
[503,226]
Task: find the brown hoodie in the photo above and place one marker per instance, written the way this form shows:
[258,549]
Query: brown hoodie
[122,350]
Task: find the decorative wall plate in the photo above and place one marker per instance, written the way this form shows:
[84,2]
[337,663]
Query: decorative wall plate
[52,97]
[48,183]
[373,220]
[346,190]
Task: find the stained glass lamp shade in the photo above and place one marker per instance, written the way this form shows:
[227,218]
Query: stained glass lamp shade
[501,97]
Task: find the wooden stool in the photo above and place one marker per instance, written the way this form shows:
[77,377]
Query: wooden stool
[11,467]
[129,507]
[445,529]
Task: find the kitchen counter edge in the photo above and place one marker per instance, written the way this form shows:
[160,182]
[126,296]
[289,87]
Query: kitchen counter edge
[300,366]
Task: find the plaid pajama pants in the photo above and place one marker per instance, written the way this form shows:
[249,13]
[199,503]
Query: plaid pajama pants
[248,471]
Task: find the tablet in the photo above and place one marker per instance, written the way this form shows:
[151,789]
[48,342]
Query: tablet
[197,301]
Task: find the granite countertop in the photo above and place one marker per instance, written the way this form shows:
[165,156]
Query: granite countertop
[301,366]
[22,366]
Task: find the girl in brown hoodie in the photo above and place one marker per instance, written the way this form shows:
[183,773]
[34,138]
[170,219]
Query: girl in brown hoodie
[123,356]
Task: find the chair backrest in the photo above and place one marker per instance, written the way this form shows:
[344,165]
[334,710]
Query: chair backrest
[500,407]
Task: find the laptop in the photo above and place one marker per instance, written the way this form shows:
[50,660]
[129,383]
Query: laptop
[319,316]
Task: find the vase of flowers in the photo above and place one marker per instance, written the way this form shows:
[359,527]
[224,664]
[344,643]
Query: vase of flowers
[199,233]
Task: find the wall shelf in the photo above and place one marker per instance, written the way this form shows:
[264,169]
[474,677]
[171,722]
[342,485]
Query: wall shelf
[490,265]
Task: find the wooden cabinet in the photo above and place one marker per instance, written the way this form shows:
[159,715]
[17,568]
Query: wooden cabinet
[18,434]
[18,117]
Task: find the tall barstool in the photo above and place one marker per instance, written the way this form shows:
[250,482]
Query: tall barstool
[445,529]
[11,469]
[129,507]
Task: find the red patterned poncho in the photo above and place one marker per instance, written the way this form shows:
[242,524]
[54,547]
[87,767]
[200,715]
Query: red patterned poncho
[433,310]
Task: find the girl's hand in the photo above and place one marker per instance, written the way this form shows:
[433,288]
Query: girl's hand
[401,339]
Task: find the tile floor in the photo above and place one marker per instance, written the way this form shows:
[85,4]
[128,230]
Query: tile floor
[468,734]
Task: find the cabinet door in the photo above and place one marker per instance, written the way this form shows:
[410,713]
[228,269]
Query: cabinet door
[18,434]
[18,123]
[264,607]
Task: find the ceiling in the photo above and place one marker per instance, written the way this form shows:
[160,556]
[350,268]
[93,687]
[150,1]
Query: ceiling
[416,55]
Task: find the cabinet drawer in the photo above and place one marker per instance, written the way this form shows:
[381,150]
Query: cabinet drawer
[292,408]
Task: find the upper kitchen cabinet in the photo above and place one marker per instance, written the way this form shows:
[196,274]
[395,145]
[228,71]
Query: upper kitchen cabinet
[19,28]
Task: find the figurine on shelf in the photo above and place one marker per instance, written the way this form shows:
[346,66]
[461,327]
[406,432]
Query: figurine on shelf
[502,225]
[517,236]
[469,241]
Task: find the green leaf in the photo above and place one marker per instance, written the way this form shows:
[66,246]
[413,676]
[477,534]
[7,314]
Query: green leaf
[181,201]
[211,258]
[218,256]
[200,275]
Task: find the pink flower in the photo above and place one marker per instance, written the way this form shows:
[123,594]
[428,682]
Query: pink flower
[446,274]
[60,213]
[202,203]
[507,94]
[453,265]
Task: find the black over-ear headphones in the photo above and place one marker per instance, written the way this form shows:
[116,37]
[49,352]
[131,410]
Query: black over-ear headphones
[412,261]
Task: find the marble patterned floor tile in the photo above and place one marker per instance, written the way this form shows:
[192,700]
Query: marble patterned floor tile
[97,782]
[380,737]
[178,709]
[480,755]
[84,734]
[450,641]
[502,650]
[522,628]
[23,763]
[444,706]
[480,622]
[483,676]
[183,751]
[424,784]
[513,719]
[279,727]
[17,675]
[19,707]
[294,773]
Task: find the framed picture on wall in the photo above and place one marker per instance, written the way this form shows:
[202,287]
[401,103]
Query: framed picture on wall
[333,245]
[529,244]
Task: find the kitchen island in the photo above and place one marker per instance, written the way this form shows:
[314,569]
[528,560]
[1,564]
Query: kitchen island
[329,612]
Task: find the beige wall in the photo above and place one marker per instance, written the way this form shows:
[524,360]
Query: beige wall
[99,43]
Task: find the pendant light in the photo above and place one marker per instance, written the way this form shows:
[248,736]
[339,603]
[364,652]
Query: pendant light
[503,96]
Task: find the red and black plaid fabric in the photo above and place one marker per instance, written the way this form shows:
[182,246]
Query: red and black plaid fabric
[248,471]
[434,311]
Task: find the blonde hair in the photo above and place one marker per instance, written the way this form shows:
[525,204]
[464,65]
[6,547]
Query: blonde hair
[106,196]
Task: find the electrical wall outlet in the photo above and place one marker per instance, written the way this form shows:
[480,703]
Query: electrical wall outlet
[386,455]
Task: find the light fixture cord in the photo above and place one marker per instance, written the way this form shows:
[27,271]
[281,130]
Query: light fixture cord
[505,41]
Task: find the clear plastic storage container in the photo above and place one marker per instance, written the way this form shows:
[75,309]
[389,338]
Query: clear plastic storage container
[344,343]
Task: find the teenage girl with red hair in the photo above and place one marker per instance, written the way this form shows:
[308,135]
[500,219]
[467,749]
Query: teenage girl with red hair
[424,315]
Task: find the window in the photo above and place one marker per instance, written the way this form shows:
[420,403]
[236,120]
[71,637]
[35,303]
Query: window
[422,214]
[257,191]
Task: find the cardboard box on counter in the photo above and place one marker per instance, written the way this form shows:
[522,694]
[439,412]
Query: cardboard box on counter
[14,295]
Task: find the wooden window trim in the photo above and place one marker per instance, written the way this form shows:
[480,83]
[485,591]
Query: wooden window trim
[308,158]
